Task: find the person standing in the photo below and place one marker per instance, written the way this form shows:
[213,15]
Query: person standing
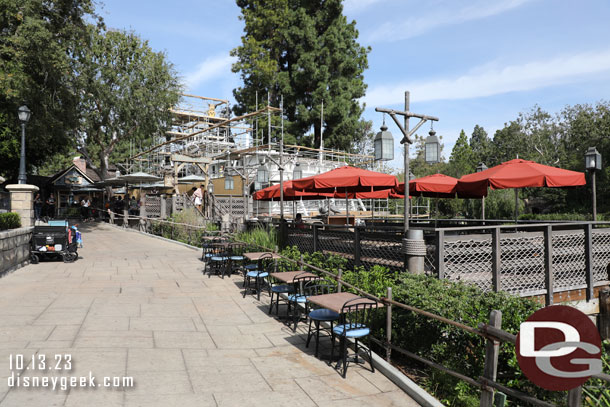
[51,206]
[198,198]
[37,206]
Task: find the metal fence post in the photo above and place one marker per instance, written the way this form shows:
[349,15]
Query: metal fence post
[492,349]
[548,264]
[496,258]
[315,238]
[604,313]
[574,397]
[356,246]
[589,260]
[439,261]
[388,327]
[339,275]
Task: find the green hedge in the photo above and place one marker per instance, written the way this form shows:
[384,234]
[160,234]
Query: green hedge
[564,216]
[10,220]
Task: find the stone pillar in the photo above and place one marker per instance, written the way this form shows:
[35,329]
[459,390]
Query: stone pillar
[22,202]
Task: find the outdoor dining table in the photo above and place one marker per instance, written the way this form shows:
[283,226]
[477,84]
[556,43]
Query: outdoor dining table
[255,256]
[288,276]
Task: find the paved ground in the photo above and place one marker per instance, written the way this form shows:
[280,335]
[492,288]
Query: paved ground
[138,306]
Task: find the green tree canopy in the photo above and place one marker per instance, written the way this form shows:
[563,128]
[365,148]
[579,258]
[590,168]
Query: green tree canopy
[37,41]
[125,93]
[307,52]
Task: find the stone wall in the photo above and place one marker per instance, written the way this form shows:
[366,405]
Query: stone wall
[14,248]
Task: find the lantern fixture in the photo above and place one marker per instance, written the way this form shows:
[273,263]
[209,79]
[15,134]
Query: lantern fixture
[432,148]
[593,159]
[297,172]
[211,187]
[229,182]
[384,144]
[481,167]
[24,114]
[262,174]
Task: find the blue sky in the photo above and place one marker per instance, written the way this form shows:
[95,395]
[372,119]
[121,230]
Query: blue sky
[466,62]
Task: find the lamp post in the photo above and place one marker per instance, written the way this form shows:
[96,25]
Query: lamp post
[24,115]
[413,243]
[482,167]
[593,162]
[432,148]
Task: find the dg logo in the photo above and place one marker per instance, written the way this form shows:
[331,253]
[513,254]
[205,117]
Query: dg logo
[558,348]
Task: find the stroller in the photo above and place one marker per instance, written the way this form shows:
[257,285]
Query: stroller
[55,240]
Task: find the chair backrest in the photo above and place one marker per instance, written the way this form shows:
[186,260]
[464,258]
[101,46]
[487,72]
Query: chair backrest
[266,262]
[301,280]
[319,287]
[358,312]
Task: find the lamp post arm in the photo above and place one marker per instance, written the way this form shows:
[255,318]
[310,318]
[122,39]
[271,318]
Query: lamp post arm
[276,163]
[407,134]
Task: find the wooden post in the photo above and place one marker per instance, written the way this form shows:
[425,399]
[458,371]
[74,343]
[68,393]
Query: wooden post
[548,264]
[356,246]
[492,350]
[339,275]
[604,313]
[496,255]
[589,260]
[439,260]
[574,397]
[301,264]
[315,238]
[388,327]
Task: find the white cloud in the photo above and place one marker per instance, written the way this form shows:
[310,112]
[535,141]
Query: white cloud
[357,5]
[490,80]
[211,68]
[412,27]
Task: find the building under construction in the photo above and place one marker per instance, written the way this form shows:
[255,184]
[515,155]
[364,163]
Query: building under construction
[232,157]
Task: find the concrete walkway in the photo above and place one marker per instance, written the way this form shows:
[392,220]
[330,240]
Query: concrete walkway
[139,307]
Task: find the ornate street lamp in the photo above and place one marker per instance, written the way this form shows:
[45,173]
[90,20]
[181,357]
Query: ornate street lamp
[384,144]
[24,115]
[482,167]
[297,172]
[593,162]
[211,187]
[432,148]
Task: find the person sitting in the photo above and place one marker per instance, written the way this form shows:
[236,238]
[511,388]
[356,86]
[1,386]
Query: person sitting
[298,222]
[133,206]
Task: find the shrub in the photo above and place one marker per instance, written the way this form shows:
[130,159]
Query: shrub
[10,220]
[259,237]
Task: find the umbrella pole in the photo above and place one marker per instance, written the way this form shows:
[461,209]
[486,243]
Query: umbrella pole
[436,211]
[516,204]
[346,209]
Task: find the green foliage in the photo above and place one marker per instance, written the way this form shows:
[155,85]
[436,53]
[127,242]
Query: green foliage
[259,236]
[596,392]
[9,220]
[329,262]
[187,227]
[443,343]
[37,41]
[561,216]
[126,91]
[307,52]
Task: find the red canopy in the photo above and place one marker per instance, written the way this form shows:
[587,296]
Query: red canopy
[518,174]
[433,186]
[346,179]
[290,194]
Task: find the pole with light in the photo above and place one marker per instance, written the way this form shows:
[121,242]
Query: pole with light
[480,168]
[593,162]
[24,115]
[409,241]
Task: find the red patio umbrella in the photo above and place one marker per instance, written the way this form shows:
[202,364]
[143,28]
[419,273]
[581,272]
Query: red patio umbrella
[290,194]
[518,173]
[347,180]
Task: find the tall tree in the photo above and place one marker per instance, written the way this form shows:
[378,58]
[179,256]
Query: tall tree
[37,41]
[307,52]
[462,160]
[126,90]
[480,143]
